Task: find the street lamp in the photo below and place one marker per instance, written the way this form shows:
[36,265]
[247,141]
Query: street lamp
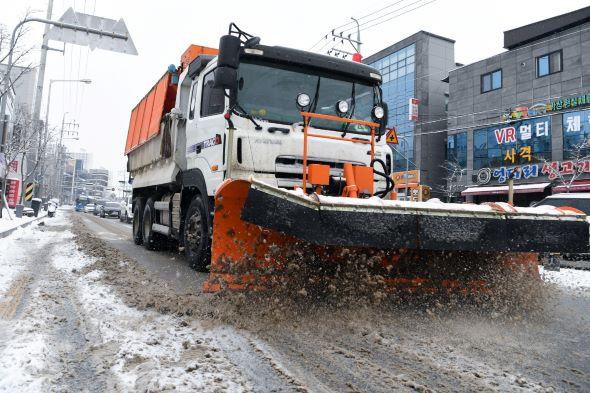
[51,82]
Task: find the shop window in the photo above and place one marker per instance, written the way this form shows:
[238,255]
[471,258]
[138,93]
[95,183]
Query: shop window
[548,64]
[517,143]
[576,134]
[457,149]
[491,81]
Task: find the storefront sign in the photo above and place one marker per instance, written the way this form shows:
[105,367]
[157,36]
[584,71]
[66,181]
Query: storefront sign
[524,112]
[12,192]
[552,170]
[542,108]
[413,109]
[570,102]
[403,178]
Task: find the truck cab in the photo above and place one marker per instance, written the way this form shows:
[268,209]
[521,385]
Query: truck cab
[268,138]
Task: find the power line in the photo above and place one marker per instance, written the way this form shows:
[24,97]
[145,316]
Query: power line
[325,37]
[396,16]
[390,13]
[371,13]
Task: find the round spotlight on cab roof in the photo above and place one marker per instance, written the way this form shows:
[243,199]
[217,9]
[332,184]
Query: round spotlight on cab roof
[378,112]
[303,100]
[342,107]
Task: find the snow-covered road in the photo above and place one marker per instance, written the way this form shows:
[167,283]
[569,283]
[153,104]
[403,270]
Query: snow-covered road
[76,314]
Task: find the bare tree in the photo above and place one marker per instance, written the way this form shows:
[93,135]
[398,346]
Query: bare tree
[570,170]
[23,139]
[453,184]
[20,55]
[36,139]
[13,145]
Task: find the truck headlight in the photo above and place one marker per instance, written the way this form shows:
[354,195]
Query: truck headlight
[303,100]
[342,107]
[378,112]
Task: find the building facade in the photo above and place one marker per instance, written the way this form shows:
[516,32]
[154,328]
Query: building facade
[414,68]
[97,182]
[524,114]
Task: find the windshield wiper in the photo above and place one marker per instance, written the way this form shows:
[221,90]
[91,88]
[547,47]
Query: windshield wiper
[243,113]
[352,107]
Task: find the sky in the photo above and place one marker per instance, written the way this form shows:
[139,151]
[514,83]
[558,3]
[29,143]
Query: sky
[162,30]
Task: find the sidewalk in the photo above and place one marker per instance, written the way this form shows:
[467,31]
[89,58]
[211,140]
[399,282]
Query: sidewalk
[7,226]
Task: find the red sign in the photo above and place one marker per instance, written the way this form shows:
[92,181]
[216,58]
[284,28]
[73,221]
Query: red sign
[413,109]
[13,166]
[505,135]
[12,192]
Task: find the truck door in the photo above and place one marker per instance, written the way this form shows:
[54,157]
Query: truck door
[210,131]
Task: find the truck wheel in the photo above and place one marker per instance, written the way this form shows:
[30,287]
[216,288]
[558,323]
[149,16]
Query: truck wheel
[137,213]
[196,239]
[151,240]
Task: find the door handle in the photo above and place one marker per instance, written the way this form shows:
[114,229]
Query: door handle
[272,130]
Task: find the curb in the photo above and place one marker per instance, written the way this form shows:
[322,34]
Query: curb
[9,231]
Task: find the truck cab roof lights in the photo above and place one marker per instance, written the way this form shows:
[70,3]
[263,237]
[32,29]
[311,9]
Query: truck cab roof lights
[375,76]
[252,51]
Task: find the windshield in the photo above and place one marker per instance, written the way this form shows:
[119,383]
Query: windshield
[268,92]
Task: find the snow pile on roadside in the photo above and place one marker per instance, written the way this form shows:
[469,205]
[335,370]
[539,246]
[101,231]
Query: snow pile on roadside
[7,224]
[571,279]
[25,356]
[151,352]
[12,255]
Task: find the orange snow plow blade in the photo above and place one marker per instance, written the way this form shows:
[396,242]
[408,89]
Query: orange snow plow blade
[259,231]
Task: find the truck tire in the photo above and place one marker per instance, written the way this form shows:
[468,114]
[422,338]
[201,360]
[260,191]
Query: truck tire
[196,240]
[137,214]
[151,240]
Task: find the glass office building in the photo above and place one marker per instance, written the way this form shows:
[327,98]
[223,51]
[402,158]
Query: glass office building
[415,68]
[398,72]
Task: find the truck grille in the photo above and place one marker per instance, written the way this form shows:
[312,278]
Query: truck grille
[289,169]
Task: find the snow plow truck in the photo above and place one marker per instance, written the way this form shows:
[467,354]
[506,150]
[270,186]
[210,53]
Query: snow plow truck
[245,153]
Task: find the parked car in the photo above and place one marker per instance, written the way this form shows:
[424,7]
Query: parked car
[126,211]
[110,209]
[97,206]
[89,208]
[577,200]
[580,201]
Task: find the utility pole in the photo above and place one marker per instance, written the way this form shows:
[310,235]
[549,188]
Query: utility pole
[74,181]
[59,155]
[355,43]
[42,62]
[39,96]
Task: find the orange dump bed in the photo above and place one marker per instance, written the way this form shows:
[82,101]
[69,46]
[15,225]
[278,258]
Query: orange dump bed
[147,115]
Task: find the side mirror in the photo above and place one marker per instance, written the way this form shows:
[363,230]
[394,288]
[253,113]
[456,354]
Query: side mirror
[229,51]
[226,78]
[228,61]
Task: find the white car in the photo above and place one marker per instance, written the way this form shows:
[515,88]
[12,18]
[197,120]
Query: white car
[126,211]
[89,208]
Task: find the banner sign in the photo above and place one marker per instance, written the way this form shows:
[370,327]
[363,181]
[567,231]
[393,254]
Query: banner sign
[542,108]
[550,169]
[12,192]
[413,109]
